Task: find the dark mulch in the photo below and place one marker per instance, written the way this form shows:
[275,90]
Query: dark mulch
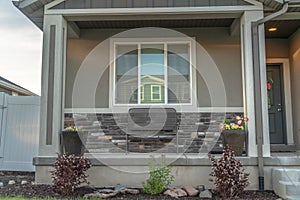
[31,190]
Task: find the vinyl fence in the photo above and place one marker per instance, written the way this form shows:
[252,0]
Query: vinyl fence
[19,132]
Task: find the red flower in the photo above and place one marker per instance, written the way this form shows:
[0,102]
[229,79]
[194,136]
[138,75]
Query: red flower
[269,86]
[240,122]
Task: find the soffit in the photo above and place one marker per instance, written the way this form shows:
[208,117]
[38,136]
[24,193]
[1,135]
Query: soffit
[273,4]
[34,9]
[155,23]
[285,28]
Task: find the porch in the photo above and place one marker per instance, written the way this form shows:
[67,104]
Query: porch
[83,79]
[189,169]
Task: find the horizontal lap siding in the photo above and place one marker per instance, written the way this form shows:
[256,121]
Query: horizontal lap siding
[69,4]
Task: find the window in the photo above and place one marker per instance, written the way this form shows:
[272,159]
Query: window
[156,93]
[152,73]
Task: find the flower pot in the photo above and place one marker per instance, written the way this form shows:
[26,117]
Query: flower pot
[235,139]
[74,142]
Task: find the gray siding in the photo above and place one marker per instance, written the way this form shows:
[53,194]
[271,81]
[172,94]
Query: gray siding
[224,50]
[277,48]
[295,82]
[71,4]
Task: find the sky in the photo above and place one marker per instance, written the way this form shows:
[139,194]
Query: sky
[20,48]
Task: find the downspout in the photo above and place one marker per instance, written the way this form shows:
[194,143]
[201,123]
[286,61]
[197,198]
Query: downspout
[258,90]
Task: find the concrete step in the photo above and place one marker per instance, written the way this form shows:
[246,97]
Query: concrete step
[286,183]
[283,174]
[293,197]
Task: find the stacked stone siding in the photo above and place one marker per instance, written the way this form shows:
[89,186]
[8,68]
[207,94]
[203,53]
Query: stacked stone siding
[107,133]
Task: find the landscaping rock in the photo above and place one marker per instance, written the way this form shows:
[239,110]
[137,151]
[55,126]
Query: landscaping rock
[205,194]
[105,191]
[23,182]
[191,191]
[200,188]
[1,184]
[175,193]
[100,195]
[119,187]
[11,182]
[129,191]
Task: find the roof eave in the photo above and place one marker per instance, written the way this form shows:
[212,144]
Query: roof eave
[24,7]
[17,89]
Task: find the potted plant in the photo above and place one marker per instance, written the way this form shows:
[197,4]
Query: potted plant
[73,141]
[233,133]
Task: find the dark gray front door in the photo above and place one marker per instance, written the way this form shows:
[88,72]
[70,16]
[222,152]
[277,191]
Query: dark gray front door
[276,104]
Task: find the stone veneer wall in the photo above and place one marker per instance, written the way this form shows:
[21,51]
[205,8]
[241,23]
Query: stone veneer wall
[107,133]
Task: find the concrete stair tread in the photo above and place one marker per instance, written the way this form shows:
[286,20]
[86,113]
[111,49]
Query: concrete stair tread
[293,197]
[287,170]
[290,183]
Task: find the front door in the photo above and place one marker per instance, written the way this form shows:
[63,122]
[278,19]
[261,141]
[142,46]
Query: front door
[276,104]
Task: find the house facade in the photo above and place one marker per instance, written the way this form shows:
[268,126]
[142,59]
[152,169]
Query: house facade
[13,89]
[208,60]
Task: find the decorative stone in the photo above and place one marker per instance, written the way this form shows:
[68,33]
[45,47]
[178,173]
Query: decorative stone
[1,184]
[23,182]
[200,188]
[205,194]
[191,191]
[129,191]
[119,187]
[100,195]
[11,182]
[105,191]
[175,193]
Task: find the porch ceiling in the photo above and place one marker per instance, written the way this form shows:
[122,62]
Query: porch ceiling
[285,28]
[34,9]
[155,23]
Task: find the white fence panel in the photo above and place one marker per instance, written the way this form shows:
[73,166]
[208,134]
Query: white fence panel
[19,132]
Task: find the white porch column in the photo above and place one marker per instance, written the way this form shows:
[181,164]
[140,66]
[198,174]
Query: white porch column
[248,82]
[53,69]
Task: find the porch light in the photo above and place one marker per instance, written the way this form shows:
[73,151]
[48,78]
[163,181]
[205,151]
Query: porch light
[272,29]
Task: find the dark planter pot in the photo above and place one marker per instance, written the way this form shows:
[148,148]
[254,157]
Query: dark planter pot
[74,142]
[235,139]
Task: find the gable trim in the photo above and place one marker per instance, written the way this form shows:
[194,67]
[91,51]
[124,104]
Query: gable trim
[53,3]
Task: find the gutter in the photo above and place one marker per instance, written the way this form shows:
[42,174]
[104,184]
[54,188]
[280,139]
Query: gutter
[21,91]
[258,90]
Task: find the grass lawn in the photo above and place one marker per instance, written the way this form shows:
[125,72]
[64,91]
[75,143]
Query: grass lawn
[20,198]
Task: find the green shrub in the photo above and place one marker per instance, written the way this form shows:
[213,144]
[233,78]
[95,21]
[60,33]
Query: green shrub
[160,177]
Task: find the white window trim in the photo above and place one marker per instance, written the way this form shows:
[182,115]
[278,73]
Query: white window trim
[142,93]
[165,41]
[159,92]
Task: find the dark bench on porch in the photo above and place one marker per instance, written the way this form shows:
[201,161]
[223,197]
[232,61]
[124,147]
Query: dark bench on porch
[150,128]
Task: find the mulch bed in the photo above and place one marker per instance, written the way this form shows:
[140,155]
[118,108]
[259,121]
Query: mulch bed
[31,190]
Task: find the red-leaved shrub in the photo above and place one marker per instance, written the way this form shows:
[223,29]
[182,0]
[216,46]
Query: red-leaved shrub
[69,172]
[230,179]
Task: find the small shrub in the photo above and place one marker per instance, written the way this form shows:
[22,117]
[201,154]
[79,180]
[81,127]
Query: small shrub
[69,172]
[230,178]
[160,177]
